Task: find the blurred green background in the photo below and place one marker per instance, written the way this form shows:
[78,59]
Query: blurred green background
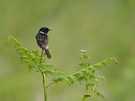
[105,28]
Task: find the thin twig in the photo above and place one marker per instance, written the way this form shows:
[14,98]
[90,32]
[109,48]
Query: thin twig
[50,84]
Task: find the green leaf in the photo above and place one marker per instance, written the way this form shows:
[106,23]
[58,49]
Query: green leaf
[78,75]
[91,69]
[58,79]
[99,95]
[71,79]
[60,73]
[84,65]
[32,56]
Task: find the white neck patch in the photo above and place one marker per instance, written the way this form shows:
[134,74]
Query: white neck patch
[42,32]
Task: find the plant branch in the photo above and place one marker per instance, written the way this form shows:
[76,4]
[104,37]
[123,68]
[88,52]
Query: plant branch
[34,60]
[83,99]
[44,80]
[50,84]
[44,86]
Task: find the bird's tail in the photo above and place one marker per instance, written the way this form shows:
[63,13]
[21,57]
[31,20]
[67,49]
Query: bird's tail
[48,53]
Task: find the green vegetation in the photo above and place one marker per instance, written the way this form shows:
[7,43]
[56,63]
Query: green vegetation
[87,73]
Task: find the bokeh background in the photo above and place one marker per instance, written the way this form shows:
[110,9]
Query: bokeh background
[105,28]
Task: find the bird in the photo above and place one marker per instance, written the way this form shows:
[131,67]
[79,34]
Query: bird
[42,41]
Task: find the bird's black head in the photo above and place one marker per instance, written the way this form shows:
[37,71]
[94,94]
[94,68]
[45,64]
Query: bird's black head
[44,30]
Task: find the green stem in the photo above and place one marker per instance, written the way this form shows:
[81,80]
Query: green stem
[44,86]
[50,84]
[44,82]
[84,97]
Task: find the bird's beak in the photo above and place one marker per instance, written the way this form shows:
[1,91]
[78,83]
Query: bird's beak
[50,30]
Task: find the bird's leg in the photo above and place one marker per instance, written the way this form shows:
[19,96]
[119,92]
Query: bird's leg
[42,53]
[41,56]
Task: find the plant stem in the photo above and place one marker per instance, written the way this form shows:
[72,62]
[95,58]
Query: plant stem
[50,84]
[44,86]
[84,97]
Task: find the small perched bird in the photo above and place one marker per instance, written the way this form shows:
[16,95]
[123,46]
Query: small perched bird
[42,40]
